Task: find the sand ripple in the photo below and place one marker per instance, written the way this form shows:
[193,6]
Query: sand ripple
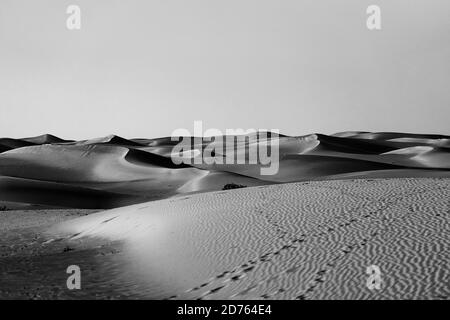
[311,240]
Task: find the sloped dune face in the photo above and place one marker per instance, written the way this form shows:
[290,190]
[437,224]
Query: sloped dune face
[412,151]
[390,135]
[290,241]
[9,144]
[45,139]
[444,143]
[111,140]
[145,167]
[97,163]
[217,180]
[92,163]
[128,173]
[26,191]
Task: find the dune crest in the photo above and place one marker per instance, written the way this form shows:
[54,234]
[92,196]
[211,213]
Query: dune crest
[144,167]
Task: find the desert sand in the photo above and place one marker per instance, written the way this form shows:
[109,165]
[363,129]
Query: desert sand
[112,171]
[307,240]
[339,204]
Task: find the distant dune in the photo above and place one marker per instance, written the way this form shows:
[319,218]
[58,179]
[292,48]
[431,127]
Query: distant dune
[110,140]
[136,169]
[9,144]
[45,139]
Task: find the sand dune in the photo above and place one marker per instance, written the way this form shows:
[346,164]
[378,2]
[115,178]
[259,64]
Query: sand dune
[336,206]
[26,191]
[386,174]
[144,168]
[291,241]
[304,167]
[216,180]
[110,140]
[135,174]
[45,139]
[389,135]
[9,144]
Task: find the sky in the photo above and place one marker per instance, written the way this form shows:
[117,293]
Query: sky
[145,68]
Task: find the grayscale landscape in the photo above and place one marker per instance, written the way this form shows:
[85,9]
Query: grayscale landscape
[225,150]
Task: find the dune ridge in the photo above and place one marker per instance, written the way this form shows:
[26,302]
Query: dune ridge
[143,167]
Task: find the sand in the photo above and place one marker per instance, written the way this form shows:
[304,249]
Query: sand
[112,171]
[18,220]
[307,240]
[140,226]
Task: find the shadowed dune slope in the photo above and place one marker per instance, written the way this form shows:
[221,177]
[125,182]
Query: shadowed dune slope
[135,174]
[53,194]
[86,163]
[45,139]
[216,180]
[110,140]
[9,144]
[304,167]
[144,167]
[389,135]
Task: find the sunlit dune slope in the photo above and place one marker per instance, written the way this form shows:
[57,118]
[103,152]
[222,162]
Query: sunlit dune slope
[291,241]
[145,168]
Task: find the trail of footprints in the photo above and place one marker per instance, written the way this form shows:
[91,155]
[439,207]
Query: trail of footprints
[226,278]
